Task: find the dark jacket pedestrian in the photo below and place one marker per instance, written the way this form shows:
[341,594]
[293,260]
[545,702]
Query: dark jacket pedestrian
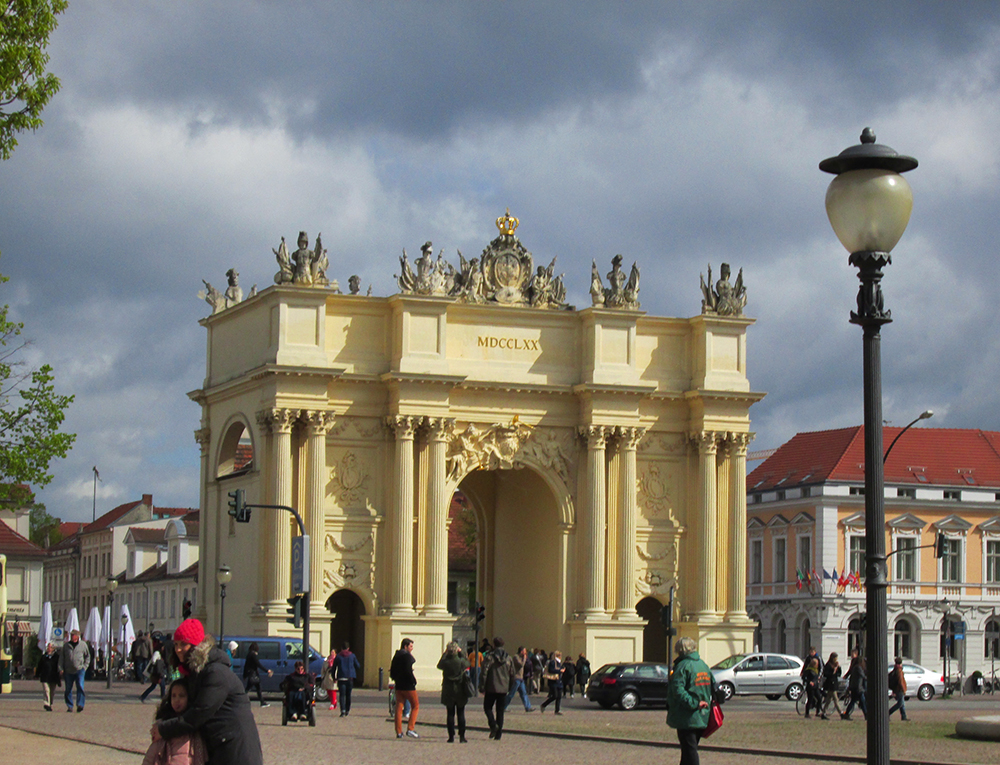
[857,683]
[345,669]
[553,676]
[453,695]
[47,672]
[689,698]
[219,708]
[569,676]
[582,672]
[496,680]
[252,669]
[401,672]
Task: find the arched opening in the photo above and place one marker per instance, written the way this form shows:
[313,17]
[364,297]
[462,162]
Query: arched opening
[235,451]
[806,638]
[519,545]
[992,651]
[902,639]
[463,536]
[780,636]
[347,625]
[856,635]
[758,633]
[654,634]
[948,642]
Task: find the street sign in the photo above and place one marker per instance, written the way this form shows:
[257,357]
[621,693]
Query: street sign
[300,564]
[58,635]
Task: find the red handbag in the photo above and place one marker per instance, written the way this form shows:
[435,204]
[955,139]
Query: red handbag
[715,718]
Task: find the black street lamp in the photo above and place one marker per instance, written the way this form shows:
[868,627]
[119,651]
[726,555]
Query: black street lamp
[112,586]
[869,205]
[925,415]
[224,576]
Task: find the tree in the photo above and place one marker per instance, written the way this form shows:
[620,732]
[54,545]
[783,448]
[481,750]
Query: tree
[31,413]
[25,26]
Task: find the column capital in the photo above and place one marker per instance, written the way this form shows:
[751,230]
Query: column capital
[439,429]
[404,426]
[738,443]
[706,441]
[278,419]
[203,436]
[629,438]
[596,436]
[319,421]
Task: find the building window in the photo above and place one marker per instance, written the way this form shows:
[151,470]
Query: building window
[175,556]
[781,636]
[906,560]
[951,563]
[908,493]
[807,491]
[947,638]
[992,639]
[954,494]
[856,554]
[993,561]
[756,561]
[131,562]
[855,635]
[857,491]
[805,555]
[902,642]
[806,630]
[779,494]
[156,603]
[779,559]
[173,604]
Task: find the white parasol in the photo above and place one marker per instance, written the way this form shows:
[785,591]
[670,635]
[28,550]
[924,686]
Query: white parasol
[92,632]
[105,625]
[128,633]
[45,627]
[72,621]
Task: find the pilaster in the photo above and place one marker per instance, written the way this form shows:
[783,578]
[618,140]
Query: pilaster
[401,545]
[594,519]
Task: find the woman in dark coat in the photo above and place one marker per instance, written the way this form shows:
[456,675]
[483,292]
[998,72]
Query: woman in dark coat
[582,673]
[219,708]
[452,666]
[251,674]
[48,672]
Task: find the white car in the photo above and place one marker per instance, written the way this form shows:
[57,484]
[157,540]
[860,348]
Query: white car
[772,674]
[921,682]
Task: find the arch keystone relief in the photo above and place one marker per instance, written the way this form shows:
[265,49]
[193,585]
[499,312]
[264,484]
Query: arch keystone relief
[471,438]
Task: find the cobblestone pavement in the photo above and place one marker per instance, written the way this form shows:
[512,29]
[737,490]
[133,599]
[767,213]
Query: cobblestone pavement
[753,730]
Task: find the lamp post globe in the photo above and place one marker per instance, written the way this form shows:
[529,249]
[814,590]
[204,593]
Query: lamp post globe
[223,576]
[869,205]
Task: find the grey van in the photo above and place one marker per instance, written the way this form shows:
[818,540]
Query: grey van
[277,654]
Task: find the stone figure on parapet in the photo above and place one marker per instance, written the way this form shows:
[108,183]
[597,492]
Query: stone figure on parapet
[222,300]
[213,297]
[723,299]
[234,293]
[304,266]
[622,293]
[503,274]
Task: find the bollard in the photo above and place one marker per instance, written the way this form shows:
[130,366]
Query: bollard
[380,674]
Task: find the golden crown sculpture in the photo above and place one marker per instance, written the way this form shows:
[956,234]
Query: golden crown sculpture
[507,223]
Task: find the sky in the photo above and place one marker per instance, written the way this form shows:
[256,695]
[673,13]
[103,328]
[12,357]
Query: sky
[189,137]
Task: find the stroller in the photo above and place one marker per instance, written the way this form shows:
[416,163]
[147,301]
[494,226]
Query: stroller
[301,693]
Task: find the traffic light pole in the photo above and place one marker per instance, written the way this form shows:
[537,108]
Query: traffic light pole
[242,510]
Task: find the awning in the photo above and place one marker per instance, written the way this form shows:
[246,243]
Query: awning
[23,628]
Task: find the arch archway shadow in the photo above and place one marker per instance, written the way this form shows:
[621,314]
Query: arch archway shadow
[347,625]
[654,634]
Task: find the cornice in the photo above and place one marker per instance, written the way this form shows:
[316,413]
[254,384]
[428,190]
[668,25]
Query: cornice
[614,390]
[748,397]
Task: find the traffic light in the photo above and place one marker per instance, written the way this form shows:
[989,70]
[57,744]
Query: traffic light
[939,546]
[480,612]
[187,609]
[238,506]
[294,611]
[667,618]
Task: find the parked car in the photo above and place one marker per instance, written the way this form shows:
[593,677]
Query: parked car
[921,681]
[276,654]
[629,684]
[770,674]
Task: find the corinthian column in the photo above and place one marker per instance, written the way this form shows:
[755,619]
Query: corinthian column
[278,532]
[628,439]
[318,424]
[593,520]
[438,503]
[401,552]
[738,523]
[705,569]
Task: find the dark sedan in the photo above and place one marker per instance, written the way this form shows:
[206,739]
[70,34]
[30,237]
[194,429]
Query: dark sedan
[629,685]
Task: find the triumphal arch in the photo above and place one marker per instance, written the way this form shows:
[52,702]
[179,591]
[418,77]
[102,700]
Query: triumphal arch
[602,452]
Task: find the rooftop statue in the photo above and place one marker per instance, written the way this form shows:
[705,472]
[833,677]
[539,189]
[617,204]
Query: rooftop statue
[304,266]
[504,273]
[724,299]
[622,293]
[223,300]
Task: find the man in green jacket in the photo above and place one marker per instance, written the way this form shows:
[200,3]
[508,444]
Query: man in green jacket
[688,698]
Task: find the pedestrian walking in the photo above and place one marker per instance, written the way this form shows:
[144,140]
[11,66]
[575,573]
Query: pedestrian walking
[689,697]
[497,680]
[328,681]
[553,677]
[345,668]
[401,672]
[453,685]
[831,682]
[897,684]
[522,665]
[48,672]
[251,673]
[157,675]
[569,676]
[857,684]
[73,662]
[811,679]
[582,673]
[142,653]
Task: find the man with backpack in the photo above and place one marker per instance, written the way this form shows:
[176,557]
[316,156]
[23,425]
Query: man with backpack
[496,681]
[897,684]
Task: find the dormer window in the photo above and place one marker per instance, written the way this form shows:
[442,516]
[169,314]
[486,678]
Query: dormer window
[908,493]
[857,491]
[953,494]
[175,557]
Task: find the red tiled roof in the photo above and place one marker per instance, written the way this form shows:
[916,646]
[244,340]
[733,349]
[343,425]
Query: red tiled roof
[943,456]
[109,518]
[14,545]
[147,536]
[69,528]
[244,457]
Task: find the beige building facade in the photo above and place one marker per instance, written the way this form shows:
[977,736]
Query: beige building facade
[602,451]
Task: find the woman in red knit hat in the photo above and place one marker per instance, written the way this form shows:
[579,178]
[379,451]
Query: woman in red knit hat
[218,707]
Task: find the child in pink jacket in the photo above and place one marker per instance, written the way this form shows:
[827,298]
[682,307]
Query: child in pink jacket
[183,750]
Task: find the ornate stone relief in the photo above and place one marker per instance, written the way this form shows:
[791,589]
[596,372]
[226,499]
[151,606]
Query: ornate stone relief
[349,478]
[504,273]
[662,444]
[278,420]
[654,490]
[352,567]
[661,571]
[204,437]
[331,543]
[723,298]
[552,452]
[491,449]
[621,293]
